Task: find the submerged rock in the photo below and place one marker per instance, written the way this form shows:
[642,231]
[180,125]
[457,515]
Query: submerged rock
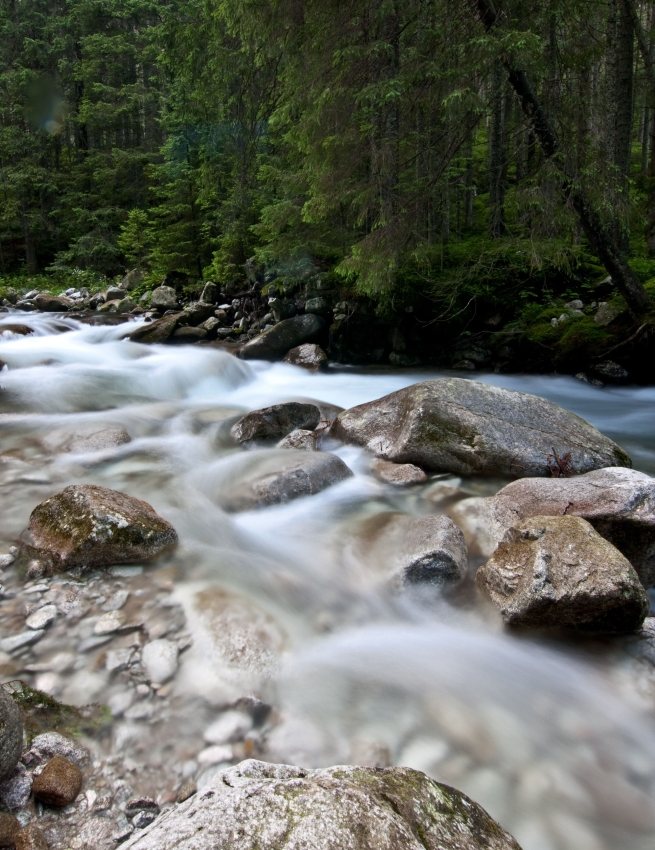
[280,807]
[272,423]
[277,477]
[470,428]
[412,550]
[11,734]
[287,334]
[557,572]
[618,502]
[89,526]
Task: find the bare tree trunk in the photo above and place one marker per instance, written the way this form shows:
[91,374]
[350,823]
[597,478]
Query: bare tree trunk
[603,243]
[497,157]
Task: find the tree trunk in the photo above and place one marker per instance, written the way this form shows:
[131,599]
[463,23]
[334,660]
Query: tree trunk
[603,243]
[497,156]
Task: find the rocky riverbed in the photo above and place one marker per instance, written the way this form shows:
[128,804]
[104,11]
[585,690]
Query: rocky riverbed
[320,606]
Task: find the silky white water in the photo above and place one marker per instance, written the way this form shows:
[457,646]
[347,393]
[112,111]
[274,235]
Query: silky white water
[557,741]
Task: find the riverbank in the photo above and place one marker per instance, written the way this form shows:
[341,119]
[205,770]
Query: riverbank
[593,338]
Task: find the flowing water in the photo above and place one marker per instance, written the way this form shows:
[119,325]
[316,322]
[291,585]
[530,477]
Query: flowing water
[556,741]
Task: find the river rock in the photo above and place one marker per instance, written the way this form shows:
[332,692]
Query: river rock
[618,502]
[300,438]
[131,280]
[159,330]
[412,550]
[281,476]
[470,428]
[552,572]
[59,783]
[163,298]
[47,303]
[398,474]
[9,827]
[281,807]
[90,526]
[86,438]
[11,734]
[310,356]
[272,423]
[278,340]
[159,660]
[31,838]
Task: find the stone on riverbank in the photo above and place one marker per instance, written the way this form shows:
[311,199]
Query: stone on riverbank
[59,783]
[275,422]
[282,807]
[159,330]
[471,428]
[274,343]
[557,572]
[398,474]
[618,502]
[11,734]
[89,526]
[281,476]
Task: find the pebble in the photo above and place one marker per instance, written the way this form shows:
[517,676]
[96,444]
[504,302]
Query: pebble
[6,561]
[216,754]
[118,659]
[31,838]
[19,641]
[109,623]
[160,659]
[16,789]
[117,601]
[93,642]
[42,618]
[9,826]
[120,702]
[140,711]
[51,744]
[59,782]
[230,726]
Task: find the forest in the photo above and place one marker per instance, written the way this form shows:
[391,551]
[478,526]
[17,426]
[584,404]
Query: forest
[485,158]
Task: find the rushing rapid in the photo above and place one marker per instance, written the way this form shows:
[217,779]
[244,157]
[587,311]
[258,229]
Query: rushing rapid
[556,741]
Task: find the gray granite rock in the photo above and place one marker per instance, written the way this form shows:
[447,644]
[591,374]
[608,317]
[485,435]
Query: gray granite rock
[279,807]
[272,423]
[557,572]
[274,343]
[471,428]
[11,734]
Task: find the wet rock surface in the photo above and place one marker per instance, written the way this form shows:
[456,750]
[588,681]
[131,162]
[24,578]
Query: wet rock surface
[87,525]
[618,502]
[309,356]
[557,572]
[282,477]
[275,422]
[466,427]
[274,343]
[288,808]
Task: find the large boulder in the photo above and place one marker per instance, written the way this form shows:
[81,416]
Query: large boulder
[618,502]
[274,343]
[412,549]
[11,734]
[274,477]
[89,526]
[557,572]
[280,807]
[48,303]
[275,422]
[466,427]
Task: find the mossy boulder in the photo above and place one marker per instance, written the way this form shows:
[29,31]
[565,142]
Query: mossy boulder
[89,526]
[470,428]
[280,807]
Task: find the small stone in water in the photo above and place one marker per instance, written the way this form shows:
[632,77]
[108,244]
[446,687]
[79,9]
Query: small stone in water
[9,826]
[16,642]
[51,744]
[159,659]
[216,754]
[30,838]
[6,561]
[109,623]
[118,659]
[140,804]
[117,601]
[42,618]
[230,726]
